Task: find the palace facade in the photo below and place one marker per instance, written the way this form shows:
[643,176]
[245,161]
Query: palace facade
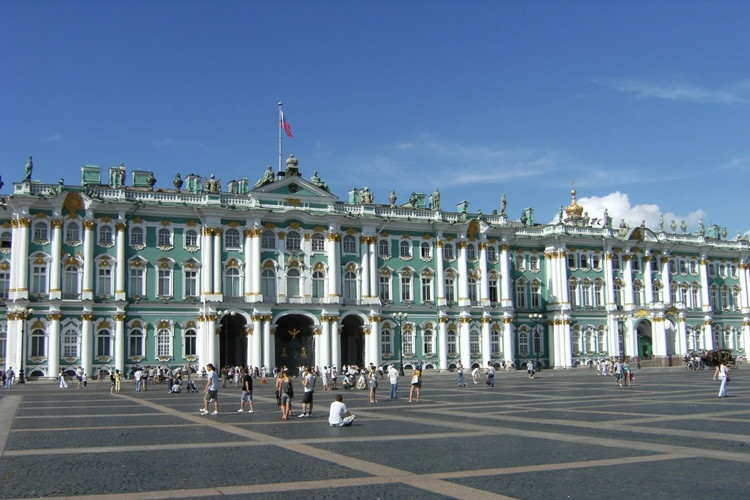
[107,275]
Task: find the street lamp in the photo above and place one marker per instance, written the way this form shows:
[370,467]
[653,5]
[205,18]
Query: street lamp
[621,318]
[401,317]
[24,314]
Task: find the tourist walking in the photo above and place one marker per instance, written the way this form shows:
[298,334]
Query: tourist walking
[211,392]
[530,368]
[416,385]
[393,379]
[372,383]
[490,374]
[722,373]
[308,383]
[285,391]
[247,392]
[63,383]
[460,370]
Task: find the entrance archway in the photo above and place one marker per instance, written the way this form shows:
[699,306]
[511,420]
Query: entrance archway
[352,341]
[645,340]
[233,340]
[294,342]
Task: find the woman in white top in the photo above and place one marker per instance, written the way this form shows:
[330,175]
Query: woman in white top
[722,373]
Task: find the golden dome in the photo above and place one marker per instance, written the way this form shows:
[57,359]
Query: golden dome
[574,210]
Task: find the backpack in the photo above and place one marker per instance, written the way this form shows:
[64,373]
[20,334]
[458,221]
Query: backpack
[290,390]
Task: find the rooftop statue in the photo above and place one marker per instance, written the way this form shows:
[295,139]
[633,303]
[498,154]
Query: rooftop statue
[504,203]
[151,180]
[177,182]
[366,196]
[413,200]
[317,181]
[266,179]
[213,185]
[392,198]
[435,200]
[29,168]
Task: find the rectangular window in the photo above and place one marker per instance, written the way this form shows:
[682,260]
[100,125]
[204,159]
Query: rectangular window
[536,296]
[191,283]
[385,343]
[164,283]
[426,288]
[39,280]
[450,293]
[136,281]
[406,289]
[104,281]
[384,288]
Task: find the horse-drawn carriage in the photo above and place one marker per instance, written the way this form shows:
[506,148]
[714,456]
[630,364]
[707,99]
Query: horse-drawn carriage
[711,359]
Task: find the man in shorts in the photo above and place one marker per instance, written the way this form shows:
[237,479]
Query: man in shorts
[308,382]
[211,393]
[247,391]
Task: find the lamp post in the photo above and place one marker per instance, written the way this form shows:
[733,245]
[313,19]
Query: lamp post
[621,318]
[401,317]
[24,314]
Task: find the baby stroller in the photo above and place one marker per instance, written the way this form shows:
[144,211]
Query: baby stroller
[191,386]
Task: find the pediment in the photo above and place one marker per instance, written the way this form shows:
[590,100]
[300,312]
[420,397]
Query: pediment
[641,234]
[294,186]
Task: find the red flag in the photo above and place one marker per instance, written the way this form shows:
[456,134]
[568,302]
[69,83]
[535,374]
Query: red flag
[285,124]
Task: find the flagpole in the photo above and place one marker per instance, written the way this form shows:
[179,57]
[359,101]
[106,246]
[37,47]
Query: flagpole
[280,126]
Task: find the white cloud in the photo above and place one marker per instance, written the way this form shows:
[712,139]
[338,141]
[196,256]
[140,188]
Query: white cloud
[736,93]
[619,207]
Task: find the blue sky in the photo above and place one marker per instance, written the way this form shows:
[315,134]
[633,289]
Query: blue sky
[643,104]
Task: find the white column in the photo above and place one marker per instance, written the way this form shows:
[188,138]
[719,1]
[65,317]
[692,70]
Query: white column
[256,267]
[88,262]
[374,340]
[365,261]
[442,341]
[325,340]
[21,264]
[120,293]
[120,341]
[485,283]
[53,330]
[250,334]
[649,286]
[744,296]
[334,266]
[463,275]
[628,298]
[87,341]
[486,345]
[609,279]
[207,258]
[257,338]
[250,270]
[55,290]
[505,287]
[440,275]
[705,286]
[13,353]
[465,341]
[335,343]
[509,351]
[665,284]
[268,344]
[217,263]
[213,340]
[374,268]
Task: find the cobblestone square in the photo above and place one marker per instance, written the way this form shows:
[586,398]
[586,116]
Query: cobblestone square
[566,434]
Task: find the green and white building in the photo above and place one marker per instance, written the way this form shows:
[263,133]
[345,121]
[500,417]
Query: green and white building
[107,275]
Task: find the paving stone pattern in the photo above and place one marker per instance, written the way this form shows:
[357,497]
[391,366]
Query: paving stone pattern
[567,434]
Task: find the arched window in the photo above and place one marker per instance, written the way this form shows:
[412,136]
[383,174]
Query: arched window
[405,249]
[451,342]
[474,342]
[136,345]
[448,253]
[191,238]
[536,294]
[106,236]
[164,237]
[39,275]
[38,343]
[425,250]
[523,343]
[384,249]
[318,284]
[70,343]
[576,341]
[350,285]
[408,340]
[537,343]
[573,292]
[232,282]
[137,238]
[491,253]
[473,290]
[164,343]
[471,252]
[71,282]
[191,342]
[318,243]
[521,302]
[386,342]
[350,244]
[232,238]
[293,288]
[268,284]
[104,343]
[268,240]
[72,233]
[293,241]
[428,342]
[41,231]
